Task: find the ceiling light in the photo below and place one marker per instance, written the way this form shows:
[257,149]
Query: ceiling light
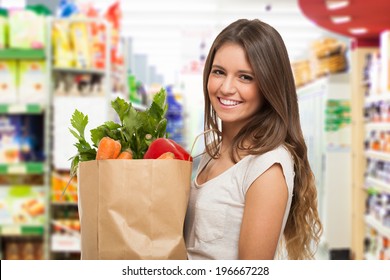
[358,31]
[340,19]
[335,5]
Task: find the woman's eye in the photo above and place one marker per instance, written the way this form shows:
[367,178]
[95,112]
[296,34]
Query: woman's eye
[247,77]
[217,72]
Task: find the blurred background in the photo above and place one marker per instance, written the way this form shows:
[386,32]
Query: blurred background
[56,56]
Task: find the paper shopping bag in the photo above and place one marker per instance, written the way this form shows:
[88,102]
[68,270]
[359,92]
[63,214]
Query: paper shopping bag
[133,209]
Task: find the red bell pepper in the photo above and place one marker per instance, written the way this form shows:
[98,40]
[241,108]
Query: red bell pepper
[163,145]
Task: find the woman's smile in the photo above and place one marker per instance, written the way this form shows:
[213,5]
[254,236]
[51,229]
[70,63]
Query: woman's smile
[229,102]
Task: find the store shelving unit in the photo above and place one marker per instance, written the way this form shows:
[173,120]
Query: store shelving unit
[64,222]
[329,151]
[359,195]
[26,233]
[377,184]
[372,233]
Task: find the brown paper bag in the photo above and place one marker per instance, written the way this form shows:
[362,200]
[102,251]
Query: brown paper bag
[133,209]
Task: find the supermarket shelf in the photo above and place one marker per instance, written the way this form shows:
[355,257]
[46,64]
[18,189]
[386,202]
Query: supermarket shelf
[22,168]
[79,70]
[21,230]
[378,226]
[37,54]
[65,203]
[377,126]
[377,98]
[378,184]
[377,155]
[21,108]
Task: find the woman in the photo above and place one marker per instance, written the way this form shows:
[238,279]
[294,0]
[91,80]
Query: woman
[254,195]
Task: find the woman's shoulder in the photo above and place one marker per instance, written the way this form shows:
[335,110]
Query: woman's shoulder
[280,154]
[258,164]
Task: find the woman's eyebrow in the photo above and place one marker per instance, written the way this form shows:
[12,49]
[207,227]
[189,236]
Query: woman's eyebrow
[217,66]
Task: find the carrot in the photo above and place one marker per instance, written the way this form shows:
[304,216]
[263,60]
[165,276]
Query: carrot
[167,155]
[108,148]
[126,154]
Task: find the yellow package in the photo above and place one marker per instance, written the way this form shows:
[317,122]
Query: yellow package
[3,32]
[62,48]
[80,39]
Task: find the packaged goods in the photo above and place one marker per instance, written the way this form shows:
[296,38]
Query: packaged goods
[79,33]
[62,50]
[27,30]
[8,79]
[32,80]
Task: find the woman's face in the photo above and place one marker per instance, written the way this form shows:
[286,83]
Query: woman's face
[232,88]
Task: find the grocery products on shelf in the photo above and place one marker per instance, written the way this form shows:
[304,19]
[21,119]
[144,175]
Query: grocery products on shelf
[21,138]
[27,27]
[22,205]
[23,81]
[68,83]
[24,132]
[27,248]
[175,117]
[303,72]
[377,152]
[60,182]
[376,246]
[329,56]
[65,230]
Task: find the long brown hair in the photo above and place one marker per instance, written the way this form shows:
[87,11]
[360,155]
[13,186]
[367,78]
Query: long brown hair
[276,123]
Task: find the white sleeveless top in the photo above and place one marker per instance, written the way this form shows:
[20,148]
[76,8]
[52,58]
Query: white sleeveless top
[215,210]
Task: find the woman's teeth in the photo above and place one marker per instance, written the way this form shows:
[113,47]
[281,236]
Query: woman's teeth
[227,102]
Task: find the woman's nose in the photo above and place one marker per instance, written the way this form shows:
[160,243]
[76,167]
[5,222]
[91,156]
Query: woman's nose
[228,86]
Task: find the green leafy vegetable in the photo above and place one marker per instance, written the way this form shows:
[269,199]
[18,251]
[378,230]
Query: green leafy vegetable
[135,130]
[85,152]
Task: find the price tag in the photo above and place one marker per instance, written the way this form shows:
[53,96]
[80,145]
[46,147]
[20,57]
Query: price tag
[11,230]
[17,108]
[17,169]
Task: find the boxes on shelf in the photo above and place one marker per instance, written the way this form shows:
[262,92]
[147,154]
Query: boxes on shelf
[65,228]
[303,72]
[8,78]
[329,56]
[32,80]
[59,182]
[79,33]
[23,81]
[21,138]
[23,249]
[27,30]
[22,205]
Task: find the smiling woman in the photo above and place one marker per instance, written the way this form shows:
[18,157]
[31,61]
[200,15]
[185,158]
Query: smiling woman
[233,92]
[253,196]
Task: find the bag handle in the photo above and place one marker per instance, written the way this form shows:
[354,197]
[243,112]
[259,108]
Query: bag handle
[196,139]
